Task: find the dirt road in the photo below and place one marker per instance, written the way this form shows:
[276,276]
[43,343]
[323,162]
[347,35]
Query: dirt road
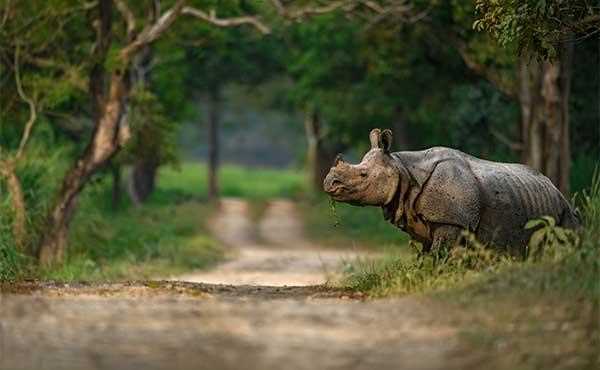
[268,315]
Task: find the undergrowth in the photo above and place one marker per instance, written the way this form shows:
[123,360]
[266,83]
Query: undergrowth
[163,237]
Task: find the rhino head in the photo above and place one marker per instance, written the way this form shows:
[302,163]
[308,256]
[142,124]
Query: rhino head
[372,182]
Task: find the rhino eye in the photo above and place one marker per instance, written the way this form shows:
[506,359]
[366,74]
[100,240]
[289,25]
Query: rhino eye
[364,174]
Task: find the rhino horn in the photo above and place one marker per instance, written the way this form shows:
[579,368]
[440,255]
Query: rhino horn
[375,137]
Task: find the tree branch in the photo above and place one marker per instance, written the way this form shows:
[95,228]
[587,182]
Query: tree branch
[128,17]
[513,145]
[32,109]
[6,13]
[312,10]
[153,31]
[226,22]
[487,72]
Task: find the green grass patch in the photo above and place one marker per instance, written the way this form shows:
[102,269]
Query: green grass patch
[190,179]
[165,236]
[138,243]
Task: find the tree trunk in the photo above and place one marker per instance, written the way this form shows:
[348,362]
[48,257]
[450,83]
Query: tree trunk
[7,170]
[143,179]
[214,116]
[401,132]
[312,128]
[104,144]
[116,186]
[145,166]
[544,99]
[565,143]
[319,156]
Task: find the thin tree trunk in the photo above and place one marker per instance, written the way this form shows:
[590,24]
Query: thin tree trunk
[214,117]
[312,128]
[145,166]
[143,179]
[401,130]
[551,92]
[532,113]
[15,190]
[565,143]
[525,99]
[116,186]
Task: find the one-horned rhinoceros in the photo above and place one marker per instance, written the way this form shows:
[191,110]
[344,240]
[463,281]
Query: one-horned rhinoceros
[437,193]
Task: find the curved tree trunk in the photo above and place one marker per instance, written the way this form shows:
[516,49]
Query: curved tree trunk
[214,116]
[109,92]
[106,140]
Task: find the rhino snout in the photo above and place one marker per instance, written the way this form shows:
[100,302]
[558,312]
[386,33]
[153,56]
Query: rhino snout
[331,183]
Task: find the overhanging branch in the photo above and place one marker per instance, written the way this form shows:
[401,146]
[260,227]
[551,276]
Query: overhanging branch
[489,73]
[212,18]
[150,33]
[296,14]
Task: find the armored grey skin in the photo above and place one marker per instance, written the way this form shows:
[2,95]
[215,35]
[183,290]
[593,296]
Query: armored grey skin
[437,193]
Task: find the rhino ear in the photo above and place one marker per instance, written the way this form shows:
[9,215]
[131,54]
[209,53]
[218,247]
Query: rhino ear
[386,140]
[375,137]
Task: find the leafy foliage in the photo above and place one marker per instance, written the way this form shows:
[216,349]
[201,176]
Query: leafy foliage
[536,25]
[549,238]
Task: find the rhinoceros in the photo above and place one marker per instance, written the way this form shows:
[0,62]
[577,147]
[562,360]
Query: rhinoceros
[436,194]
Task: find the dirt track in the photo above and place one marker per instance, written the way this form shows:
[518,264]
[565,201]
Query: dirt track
[255,323]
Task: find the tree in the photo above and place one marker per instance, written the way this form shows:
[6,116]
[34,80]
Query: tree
[8,163]
[220,57]
[545,29]
[107,71]
[96,85]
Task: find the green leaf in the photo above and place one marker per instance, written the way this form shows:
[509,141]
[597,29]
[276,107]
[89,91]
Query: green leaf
[550,220]
[536,240]
[533,223]
[561,235]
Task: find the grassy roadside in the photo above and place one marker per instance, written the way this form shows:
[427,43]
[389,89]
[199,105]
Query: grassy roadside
[528,315]
[167,235]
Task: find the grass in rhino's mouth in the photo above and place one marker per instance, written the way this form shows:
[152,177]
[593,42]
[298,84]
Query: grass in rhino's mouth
[336,219]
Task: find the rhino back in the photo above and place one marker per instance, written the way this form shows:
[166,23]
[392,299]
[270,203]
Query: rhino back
[509,194]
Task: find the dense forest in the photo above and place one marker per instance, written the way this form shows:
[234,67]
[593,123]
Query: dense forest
[100,89]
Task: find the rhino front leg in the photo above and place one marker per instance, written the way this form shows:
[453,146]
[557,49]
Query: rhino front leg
[444,238]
